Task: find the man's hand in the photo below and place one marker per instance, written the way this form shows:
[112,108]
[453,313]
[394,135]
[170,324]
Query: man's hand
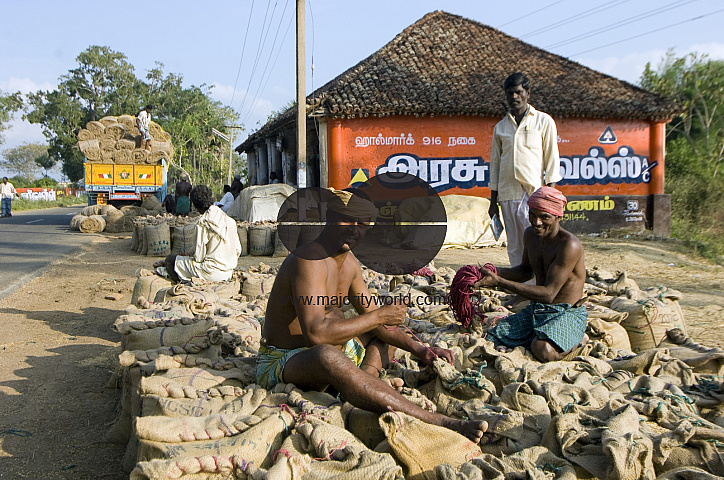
[493,209]
[428,355]
[392,314]
[489,280]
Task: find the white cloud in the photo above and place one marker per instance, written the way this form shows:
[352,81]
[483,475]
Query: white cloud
[22,132]
[24,85]
[631,66]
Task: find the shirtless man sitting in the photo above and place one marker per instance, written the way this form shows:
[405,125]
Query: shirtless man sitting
[308,342]
[554,322]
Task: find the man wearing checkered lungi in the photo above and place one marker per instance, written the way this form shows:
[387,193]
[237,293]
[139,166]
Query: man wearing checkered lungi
[555,322]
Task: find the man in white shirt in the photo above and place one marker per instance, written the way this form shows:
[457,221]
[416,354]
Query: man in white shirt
[7,192]
[226,200]
[143,121]
[523,157]
[217,244]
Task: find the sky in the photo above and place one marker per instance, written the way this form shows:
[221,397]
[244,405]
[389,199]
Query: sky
[245,49]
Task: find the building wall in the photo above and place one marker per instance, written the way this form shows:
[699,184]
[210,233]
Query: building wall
[452,153]
[609,167]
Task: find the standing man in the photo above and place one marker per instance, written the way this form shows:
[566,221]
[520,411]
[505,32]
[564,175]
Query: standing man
[555,321]
[183,189]
[523,157]
[143,120]
[7,192]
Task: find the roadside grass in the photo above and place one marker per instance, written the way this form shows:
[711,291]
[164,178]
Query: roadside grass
[23,204]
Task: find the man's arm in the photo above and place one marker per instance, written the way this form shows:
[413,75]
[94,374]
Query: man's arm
[551,157]
[494,175]
[309,288]
[361,300]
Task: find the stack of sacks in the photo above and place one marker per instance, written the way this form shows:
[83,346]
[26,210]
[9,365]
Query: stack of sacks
[190,408]
[100,218]
[117,140]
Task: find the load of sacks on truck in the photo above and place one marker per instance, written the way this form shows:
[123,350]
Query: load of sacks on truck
[117,140]
[639,400]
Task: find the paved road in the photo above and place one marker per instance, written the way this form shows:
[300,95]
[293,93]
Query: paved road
[30,241]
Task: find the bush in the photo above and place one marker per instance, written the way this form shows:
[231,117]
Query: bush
[23,204]
[45,182]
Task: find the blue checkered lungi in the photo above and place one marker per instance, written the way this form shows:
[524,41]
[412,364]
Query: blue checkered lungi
[561,323]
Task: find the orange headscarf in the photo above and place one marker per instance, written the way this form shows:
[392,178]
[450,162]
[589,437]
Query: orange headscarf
[549,200]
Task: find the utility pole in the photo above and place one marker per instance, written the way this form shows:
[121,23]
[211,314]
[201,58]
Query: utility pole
[301,100]
[229,138]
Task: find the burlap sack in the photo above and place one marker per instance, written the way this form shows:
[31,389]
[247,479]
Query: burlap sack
[116,222]
[243,404]
[92,224]
[151,203]
[261,240]
[183,241]
[115,130]
[108,120]
[648,320]
[243,232]
[91,210]
[610,334]
[158,239]
[84,135]
[162,336]
[254,445]
[75,222]
[280,250]
[147,287]
[256,284]
[188,429]
[420,447]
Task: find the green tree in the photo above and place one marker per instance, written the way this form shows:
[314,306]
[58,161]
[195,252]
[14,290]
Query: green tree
[694,148]
[25,159]
[9,104]
[102,84]
[697,83]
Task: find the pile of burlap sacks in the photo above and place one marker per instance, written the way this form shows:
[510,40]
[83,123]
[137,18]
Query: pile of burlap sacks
[165,234]
[107,218]
[190,408]
[118,140]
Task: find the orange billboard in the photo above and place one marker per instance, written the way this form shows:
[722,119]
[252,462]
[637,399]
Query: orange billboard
[452,154]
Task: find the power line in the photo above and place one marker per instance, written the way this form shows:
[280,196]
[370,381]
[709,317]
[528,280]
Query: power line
[266,67]
[573,18]
[258,54]
[243,47]
[286,32]
[529,14]
[621,23]
[650,31]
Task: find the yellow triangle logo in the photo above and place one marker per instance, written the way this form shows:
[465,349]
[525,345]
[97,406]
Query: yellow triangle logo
[358,176]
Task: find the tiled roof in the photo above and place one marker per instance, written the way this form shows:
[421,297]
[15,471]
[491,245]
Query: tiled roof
[445,64]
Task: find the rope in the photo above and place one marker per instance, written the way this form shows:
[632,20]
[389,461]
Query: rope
[461,292]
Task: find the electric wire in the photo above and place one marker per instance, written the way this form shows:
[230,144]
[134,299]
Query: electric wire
[573,18]
[265,77]
[529,14]
[621,23]
[260,48]
[699,17]
[241,58]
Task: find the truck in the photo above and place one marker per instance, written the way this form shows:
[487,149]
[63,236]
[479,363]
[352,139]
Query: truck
[121,184]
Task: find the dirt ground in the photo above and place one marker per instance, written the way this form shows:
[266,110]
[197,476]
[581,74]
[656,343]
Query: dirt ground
[57,349]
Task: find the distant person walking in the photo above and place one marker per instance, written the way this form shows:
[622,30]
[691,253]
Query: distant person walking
[7,192]
[143,120]
[183,189]
[523,157]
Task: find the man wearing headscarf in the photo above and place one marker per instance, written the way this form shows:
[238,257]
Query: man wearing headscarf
[555,321]
[306,339]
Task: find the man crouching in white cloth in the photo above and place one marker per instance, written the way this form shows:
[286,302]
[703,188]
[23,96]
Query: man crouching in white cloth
[217,244]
